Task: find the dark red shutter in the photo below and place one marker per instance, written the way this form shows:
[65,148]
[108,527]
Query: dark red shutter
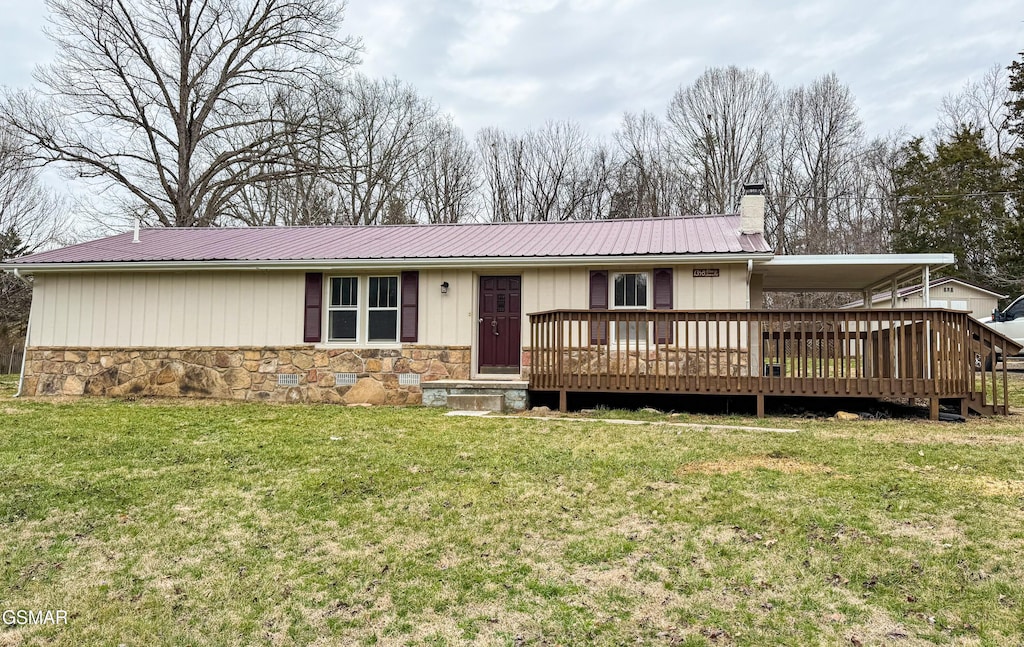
[599,301]
[663,301]
[314,308]
[410,306]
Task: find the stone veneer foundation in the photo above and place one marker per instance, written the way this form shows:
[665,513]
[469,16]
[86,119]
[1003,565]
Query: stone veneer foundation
[244,373]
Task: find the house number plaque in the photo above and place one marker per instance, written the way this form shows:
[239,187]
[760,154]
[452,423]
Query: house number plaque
[705,273]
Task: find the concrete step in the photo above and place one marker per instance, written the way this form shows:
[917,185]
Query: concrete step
[476,395]
[477,402]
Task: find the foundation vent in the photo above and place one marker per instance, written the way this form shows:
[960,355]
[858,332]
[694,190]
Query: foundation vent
[344,379]
[287,379]
[409,379]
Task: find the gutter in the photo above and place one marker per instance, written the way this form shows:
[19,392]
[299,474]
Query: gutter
[374,263]
[28,334]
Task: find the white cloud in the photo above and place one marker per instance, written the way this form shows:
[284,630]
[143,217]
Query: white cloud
[517,63]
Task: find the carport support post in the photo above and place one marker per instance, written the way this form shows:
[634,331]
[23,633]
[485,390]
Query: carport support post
[926,295]
[926,292]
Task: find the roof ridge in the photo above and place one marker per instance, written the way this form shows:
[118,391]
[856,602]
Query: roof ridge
[695,216]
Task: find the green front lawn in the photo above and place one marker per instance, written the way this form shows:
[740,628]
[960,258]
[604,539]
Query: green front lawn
[156,523]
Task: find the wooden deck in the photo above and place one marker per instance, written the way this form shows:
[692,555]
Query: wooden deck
[933,354]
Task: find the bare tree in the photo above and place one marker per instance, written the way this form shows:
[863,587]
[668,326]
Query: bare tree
[552,173]
[827,136]
[558,182]
[722,127]
[604,163]
[153,95]
[30,217]
[650,183]
[981,104]
[288,189]
[505,174]
[447,176]
[874,196]
[373,132]
[355,159]
[28,211]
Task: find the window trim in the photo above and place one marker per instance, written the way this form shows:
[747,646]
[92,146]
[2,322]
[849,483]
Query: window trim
[341,308]
[396,309]
[648,298]
[362,310]
[649,288]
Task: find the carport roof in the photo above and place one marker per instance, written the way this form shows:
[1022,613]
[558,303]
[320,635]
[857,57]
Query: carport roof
[845,272]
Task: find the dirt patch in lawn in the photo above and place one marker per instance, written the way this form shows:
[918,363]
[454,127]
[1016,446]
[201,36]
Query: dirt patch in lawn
[990,486]
[934,529]
[750,463]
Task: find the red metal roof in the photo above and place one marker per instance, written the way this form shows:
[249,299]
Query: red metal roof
[578,238]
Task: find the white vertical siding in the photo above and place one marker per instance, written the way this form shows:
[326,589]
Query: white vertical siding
[756,291]
[214,308]
[154,309]
[447,319]
[727,291]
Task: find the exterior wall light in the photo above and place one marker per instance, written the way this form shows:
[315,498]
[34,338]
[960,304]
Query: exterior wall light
[444,288]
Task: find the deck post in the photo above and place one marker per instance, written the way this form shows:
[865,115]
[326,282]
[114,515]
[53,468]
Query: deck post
[933,409]
[563,404]
[760,405]
[963,407]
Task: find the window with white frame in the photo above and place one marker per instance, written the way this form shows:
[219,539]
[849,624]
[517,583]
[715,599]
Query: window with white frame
[343,309]
[382,308]
[630,292]
[370,319]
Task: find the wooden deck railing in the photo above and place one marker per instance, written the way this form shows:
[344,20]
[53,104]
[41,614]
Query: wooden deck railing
[919,353]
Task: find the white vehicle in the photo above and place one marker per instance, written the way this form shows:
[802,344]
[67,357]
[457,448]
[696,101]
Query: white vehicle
[1010,321]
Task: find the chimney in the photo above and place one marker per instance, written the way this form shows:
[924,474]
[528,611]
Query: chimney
[752,209]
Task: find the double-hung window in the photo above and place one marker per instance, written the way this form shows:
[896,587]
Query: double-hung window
[382,309]
[372,318]
[343,309]
[630,292]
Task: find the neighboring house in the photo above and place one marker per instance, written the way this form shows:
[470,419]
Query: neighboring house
[380,314]
[947,292]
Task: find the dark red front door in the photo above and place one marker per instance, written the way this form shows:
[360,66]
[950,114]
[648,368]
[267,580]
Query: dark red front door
[500,324]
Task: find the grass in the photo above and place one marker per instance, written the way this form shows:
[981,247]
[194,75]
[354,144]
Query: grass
[157,523]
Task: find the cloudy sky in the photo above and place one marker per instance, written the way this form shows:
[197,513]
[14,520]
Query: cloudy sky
[517,63]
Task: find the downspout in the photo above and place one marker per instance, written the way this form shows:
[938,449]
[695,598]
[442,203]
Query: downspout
[750,270]
[28,333]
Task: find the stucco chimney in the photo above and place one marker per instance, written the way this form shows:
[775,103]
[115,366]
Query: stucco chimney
[752,209]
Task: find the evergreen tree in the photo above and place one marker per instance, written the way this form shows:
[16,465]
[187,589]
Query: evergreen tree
[953,200]
[1010,245]
[15,296]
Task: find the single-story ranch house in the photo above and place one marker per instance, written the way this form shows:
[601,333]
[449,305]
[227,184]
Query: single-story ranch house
[455,313]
